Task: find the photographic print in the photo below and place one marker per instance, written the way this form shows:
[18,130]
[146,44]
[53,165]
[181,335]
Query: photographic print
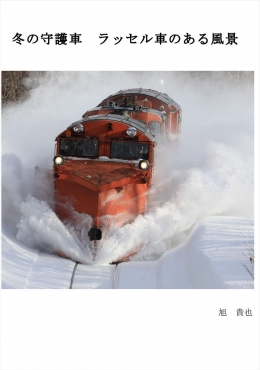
[121,186]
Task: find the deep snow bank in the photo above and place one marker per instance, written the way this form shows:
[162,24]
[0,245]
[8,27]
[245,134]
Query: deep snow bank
[211,258]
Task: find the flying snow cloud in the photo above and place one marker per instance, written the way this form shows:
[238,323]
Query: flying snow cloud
[208,172]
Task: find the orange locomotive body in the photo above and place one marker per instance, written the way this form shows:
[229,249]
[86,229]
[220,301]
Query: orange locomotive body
[104,162]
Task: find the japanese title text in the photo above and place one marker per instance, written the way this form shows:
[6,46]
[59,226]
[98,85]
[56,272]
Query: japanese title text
[159,38]
[163,38]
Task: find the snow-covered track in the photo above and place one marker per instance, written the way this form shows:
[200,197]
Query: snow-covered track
[73,274]
[212,257]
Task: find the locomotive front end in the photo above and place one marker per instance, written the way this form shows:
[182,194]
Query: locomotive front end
[103,171]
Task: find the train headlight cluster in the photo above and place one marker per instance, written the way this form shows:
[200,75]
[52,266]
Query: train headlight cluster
[131,131]
[78,128]
[143,165]
[58,160]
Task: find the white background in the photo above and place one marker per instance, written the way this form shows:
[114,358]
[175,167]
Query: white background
[135,329]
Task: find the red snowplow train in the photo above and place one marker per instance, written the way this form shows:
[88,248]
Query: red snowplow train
[104,162]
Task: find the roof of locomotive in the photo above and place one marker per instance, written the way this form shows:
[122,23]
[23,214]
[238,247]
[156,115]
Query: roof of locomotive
[139,125]
[153,93]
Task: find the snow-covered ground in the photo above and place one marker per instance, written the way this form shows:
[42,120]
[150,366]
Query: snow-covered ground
[212,257]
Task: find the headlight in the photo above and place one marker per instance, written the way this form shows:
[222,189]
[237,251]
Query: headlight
[131,131]
[78,128]
[58,160]
[143,164]
[154,127]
